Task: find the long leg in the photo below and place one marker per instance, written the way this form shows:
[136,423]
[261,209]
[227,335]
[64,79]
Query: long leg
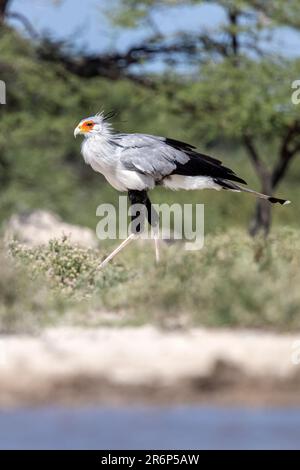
[153,220]
[126,242]
[141,198]
[137,221]
[138,201]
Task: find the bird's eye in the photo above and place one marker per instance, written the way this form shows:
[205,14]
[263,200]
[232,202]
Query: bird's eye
[89,124]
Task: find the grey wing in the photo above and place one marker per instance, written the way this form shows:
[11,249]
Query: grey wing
[161,156]
[149,155]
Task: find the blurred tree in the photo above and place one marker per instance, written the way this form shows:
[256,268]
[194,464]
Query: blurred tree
[6,13]
[232,86]
[251,104]
[40,163]
[241,91]
[3,7]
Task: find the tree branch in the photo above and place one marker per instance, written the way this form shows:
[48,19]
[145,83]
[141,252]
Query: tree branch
[211,45]
[233,16]
[286,154]
[255,159]
[280,168]
[110,65]
[25,22]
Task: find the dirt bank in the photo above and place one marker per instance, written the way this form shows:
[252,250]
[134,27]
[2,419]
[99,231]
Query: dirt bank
[145,365]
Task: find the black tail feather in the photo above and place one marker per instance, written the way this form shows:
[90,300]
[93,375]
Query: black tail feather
[231,186]
[275,200]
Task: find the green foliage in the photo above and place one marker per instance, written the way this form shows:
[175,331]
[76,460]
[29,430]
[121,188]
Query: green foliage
[263,14]
[236,92]
[40,162]
[68,269]
[253,98]
[234,281]
[26,304]
[242,91]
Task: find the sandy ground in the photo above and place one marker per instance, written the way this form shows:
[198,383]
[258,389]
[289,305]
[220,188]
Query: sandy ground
[145,365]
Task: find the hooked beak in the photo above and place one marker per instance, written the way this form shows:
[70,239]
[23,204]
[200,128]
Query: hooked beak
[77,131]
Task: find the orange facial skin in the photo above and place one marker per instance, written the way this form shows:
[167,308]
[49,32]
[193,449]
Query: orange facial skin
[87,126]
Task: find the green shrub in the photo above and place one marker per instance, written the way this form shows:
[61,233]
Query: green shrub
[26,305]
[233,281]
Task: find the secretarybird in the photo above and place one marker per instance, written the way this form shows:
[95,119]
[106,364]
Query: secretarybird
[137,163]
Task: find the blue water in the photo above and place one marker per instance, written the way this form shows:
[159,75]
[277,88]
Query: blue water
[150,428]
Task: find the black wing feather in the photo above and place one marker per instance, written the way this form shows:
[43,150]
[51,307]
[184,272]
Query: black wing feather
[200,164]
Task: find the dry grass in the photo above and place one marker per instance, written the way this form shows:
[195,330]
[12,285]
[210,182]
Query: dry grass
[234,281]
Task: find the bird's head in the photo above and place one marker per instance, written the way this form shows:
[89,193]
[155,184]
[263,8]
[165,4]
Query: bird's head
[93,125]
